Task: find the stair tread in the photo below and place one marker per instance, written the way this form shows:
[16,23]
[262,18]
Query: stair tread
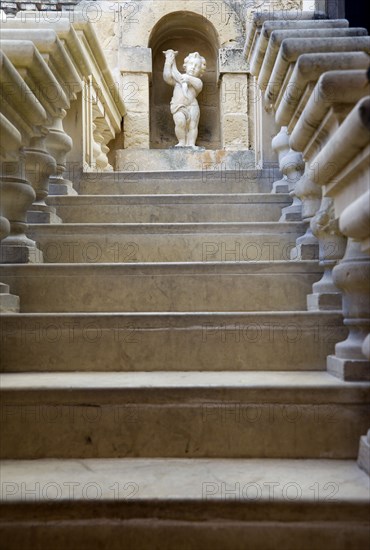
[156,479]
[165,226]
[175,198]
[314,381]
[301,266]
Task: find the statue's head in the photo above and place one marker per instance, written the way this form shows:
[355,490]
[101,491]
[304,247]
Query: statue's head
[194,64]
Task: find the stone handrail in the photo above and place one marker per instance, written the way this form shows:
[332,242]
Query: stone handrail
[333,87]
[269,27]
[307,70]
[292,48]
[278,36]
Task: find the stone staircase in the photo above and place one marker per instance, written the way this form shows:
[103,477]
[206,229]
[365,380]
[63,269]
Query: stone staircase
[165,386]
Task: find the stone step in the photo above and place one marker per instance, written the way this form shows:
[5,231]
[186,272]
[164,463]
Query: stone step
[243,207]
[203,286]
[206,181]
[162,504]
[287,341]
[182,414]
[92,243]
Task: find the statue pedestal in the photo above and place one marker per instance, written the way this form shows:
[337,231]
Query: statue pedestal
[183,158]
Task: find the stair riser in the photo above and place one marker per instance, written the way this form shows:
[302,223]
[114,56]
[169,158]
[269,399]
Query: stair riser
[171,213]
[105,289]
[178,182]
[129,344]
[172,187]
[153,534]
[114,424]
[111,248]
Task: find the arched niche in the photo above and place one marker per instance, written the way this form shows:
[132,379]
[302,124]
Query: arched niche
[186,32]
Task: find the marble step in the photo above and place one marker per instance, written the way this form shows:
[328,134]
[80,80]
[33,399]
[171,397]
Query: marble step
[182,414]
[206,181]
[162,504]
[271,341]
[243,207]
[203,286]
[92,243]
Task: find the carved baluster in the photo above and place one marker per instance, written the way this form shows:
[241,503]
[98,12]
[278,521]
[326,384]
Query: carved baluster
[352,276]
[332,245]
[58,144]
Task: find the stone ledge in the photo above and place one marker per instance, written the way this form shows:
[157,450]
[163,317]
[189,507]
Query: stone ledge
[183,159]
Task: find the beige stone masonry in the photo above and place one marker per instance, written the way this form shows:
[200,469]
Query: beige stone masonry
[234,111]
[136,124]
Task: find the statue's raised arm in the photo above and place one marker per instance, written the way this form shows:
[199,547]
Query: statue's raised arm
[184,105]
[171,74]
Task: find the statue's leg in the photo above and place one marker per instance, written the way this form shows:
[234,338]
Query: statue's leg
[193,126]
[180,128]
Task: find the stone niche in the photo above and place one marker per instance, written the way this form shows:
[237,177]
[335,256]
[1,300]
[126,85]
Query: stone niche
[185,32]
[215,30]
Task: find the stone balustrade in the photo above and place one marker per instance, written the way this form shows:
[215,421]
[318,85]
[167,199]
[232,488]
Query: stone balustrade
[58,143]
[23,122]
[343,168]
[94,117]
[331,100]
[312,81]
[288,74]
[292,48]
[61,106]
[265,48]
[264,123]
[10,142]
[277,37]
[273,42]
[45,160]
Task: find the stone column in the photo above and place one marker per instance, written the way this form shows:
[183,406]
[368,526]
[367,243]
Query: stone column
[234,109]
[136,70]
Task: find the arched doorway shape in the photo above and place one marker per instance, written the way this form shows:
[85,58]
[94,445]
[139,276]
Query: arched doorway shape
[186,32]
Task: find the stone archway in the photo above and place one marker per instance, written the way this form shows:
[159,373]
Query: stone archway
[186,32]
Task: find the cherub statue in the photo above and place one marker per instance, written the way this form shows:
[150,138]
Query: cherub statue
[184,105]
